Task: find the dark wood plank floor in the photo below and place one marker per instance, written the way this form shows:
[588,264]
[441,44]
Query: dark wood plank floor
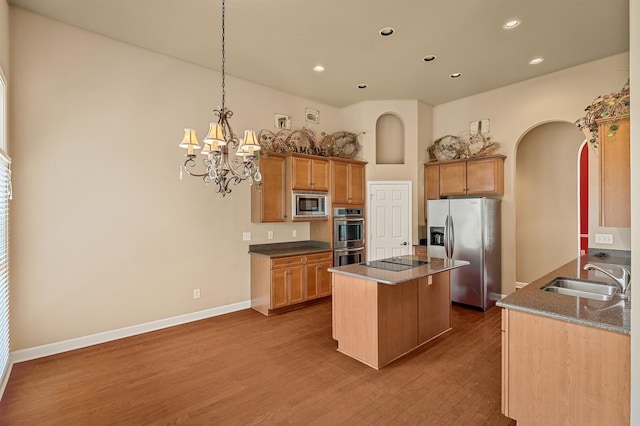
[244,368]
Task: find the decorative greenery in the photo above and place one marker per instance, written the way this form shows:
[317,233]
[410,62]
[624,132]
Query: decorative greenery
[615,104]
[305,141]
[465,145]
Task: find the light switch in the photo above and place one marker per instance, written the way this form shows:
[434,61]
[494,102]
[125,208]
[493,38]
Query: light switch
[246,236]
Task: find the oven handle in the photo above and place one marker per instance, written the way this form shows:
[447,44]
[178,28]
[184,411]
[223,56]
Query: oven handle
[349,249]
[342,220]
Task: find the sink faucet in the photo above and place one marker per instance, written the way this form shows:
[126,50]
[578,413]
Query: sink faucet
[624,282]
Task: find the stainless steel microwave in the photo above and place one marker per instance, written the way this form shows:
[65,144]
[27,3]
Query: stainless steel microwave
[309,205]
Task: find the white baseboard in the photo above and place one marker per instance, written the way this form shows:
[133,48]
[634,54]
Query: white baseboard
[5,378]
[107,336]
[520,284]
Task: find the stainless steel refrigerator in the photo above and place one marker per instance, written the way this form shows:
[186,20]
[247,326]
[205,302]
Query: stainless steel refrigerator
[468,229]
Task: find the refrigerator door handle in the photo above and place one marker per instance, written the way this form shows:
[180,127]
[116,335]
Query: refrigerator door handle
[451,237]
[446,237]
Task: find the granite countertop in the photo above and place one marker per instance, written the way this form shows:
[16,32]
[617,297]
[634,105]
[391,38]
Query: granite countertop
[294,248]
[613,315]
[435,265]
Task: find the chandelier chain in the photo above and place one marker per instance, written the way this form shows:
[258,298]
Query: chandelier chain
[223,53]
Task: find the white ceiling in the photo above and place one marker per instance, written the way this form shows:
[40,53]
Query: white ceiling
[277,42]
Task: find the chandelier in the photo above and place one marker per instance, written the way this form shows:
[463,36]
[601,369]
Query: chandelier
[227,158]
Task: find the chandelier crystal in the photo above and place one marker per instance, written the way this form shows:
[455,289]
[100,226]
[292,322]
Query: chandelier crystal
[227,158]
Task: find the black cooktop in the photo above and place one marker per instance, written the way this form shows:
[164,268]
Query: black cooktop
[395,264]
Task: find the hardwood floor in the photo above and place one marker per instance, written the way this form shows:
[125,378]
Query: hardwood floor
[245,368]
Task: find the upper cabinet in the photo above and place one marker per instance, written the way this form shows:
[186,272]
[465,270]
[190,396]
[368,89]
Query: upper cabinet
[347,181]
[268,196]
[308,173]
[614,172]
[476,176]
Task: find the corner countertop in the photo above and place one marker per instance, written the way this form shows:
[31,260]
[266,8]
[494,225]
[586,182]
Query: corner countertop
[435,266]
[293,248]
[613,315]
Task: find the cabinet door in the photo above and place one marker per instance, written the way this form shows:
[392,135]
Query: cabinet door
[485,176]
[356,184]
[453,178]
[296,285]
[301,173]
[312,282]
[324,279]
[279,279]
[614,173]
[320,175]
[431,181]
[339,182]
[267,198]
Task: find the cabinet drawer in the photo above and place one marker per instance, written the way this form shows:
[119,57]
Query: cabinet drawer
[319,257]
[285,262]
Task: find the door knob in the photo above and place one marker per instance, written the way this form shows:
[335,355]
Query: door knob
[405,243]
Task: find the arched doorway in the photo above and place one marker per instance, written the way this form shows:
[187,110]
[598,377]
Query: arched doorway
[546,193]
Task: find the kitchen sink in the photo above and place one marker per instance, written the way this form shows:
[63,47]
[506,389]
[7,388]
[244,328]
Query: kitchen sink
[581,288]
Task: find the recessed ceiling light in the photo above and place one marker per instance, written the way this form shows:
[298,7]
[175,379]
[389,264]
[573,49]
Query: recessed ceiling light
[455,75]
[387,31]
[362,86]
[429,58]
[536,61]
[318,68]
[511,24]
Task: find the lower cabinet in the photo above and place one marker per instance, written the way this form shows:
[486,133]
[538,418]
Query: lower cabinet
[555,372]
[288,281]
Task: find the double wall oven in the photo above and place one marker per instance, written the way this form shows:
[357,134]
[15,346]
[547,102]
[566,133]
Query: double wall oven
[348,235]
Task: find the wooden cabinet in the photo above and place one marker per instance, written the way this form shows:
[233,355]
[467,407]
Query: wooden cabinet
[614,172]
[420,251]
[347,181]
[285,282]
[556,372]
[476,176]
[432,181]
[268,199]
[318,282]
[308,173]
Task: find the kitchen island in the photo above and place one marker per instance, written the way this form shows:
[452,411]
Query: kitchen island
[385,309]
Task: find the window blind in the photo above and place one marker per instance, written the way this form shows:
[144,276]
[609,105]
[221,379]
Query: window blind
[5,196]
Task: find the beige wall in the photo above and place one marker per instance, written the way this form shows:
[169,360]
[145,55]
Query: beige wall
[546,195]
[517,108]
[103,234]
[417,120]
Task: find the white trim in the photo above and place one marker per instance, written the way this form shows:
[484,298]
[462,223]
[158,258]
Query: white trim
[107,336]
[5,379]
[520,284]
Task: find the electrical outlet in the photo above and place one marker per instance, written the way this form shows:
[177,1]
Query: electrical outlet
[196,293]
[604,238]
[294,233]
[270,235]
[246,236]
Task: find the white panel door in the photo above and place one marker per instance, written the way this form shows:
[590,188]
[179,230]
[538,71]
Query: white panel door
[389,228]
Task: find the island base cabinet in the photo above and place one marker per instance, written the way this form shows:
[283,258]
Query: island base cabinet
[556,372]
[377,323]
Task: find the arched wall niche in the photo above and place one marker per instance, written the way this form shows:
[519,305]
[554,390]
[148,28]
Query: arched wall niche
[390,143]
